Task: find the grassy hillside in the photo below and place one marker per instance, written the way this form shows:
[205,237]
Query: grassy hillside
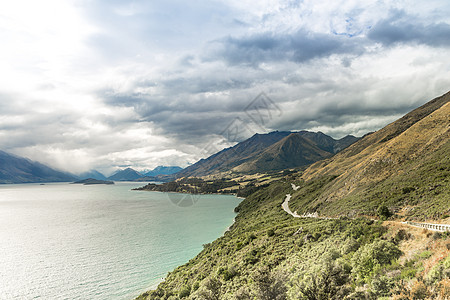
[267,254]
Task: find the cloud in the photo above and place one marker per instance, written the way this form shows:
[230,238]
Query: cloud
[299,47]
[400,27]
[106,84]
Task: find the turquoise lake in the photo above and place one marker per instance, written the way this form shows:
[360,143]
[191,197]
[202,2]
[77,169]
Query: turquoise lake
[66,241]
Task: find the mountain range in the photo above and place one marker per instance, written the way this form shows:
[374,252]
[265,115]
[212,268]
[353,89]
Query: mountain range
[163,170]
[157,174]
[270,152]
[15,169]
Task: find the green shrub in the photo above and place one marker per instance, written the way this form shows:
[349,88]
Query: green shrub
[195,286]
[382,285]
[408,272]
[184,292]
[252,257]
[269,285]
[408,189]
[239,246]
[229,273]
[383,212]
[270,233]
[372,256]
[212,289]
[330,283]
[425,254]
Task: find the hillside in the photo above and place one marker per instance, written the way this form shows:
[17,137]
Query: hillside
[269,152]
[405,166]
[268,254]
[292,151]
[15,169]
[127,174]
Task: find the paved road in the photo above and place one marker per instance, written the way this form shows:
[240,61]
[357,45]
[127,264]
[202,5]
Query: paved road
[428,226]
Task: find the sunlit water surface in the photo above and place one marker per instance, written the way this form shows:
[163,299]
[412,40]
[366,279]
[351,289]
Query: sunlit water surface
[66,241]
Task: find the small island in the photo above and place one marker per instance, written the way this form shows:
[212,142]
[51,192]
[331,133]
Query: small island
[90,181]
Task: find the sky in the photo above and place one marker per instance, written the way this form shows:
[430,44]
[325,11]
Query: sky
[96,84]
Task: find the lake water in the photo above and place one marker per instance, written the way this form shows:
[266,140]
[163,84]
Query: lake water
[65,241]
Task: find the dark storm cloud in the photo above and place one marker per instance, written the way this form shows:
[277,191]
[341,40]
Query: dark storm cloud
[298,47]
[400,27]
[188,117]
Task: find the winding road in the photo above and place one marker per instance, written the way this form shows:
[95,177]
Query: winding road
[429,226]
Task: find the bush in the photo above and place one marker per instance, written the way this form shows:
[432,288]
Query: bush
[372,256]
[419,291]
[252,257]
[270,232]
[437,235]
[229,273]
[408,272]
[382,285]
[330,283]
[269,286]
[242,294]
[401,235]
[383,212]
[184,292]
[212,289]
[408,189]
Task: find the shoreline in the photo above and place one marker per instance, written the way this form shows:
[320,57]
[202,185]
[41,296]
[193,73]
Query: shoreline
[155,286]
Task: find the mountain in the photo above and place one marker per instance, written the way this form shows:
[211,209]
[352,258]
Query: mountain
[269,152]
[231,157]
[94,174]
[125,175]
[327,143]
[405,166]
[163,170]
[291,151]
[16,169]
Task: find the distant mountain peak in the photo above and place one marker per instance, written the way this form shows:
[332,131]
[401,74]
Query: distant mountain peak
[94,174]
[128,174]
[163,170]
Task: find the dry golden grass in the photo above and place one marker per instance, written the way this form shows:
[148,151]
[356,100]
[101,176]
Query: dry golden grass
[421,240]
